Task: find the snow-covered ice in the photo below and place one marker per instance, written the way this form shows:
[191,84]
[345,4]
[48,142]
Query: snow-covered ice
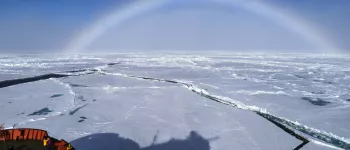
[162,101]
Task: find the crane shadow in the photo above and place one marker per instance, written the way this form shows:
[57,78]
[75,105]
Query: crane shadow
[112,141]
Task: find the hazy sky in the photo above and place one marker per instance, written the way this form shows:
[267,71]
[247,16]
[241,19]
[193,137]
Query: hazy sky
[201,25]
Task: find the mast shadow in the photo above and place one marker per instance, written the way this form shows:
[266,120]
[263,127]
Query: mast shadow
[112,141]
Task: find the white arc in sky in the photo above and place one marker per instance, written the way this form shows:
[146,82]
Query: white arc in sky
[119,16]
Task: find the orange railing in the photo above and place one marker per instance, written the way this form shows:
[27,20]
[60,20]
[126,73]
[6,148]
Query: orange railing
[22,134]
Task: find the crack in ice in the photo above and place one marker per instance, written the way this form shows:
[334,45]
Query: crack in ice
[281,122]
[12,82]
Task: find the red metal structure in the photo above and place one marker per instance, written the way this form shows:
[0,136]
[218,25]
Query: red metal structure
[29,139]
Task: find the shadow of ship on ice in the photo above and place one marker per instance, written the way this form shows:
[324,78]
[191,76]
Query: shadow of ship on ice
[112,141]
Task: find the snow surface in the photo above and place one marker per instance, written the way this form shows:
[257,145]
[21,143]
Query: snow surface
[131,104]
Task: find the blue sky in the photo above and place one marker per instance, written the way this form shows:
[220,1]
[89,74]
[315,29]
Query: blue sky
[201,25]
